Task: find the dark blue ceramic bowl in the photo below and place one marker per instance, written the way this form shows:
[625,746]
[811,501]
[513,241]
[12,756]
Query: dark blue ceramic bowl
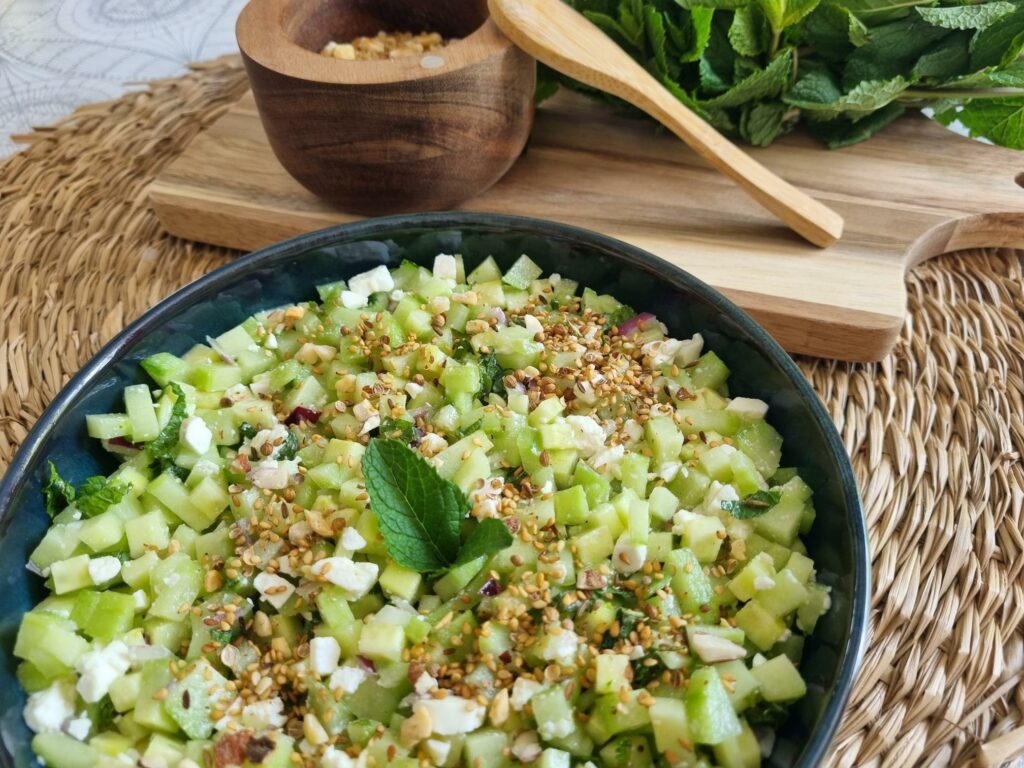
[289,272]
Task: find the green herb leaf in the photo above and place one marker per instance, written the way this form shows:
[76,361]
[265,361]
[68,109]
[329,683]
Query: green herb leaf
[621,314]
[762,123]
[417,510]
[1001,120]
[98,493]
[163,445]
[289,447]
[783,13]
[749,33]
[491,375]
[842,131]
[247,431]
[1000,43]
[398,429]
[762,84]
[488,536]
[967,16]
[754,505]
[57,493]
[862,100]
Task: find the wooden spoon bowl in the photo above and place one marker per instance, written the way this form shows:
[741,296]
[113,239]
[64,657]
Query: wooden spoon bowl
[424,132]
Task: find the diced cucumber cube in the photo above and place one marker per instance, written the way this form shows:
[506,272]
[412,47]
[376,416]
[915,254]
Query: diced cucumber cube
[611,672]
[522,273]
[105,426]
[709,712]
[571,506]
[57,750]
[760,627]
[785,596]
[691,585]
[744,751]
[779,680]
[139,404]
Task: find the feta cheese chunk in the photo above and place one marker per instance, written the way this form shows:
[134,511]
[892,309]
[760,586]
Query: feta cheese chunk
[195,435]
[713,649]
[453,715]
[103,569]
[561,648]
[748,407]
[662,351]
[556,729]
[523,690]
[273,475]
[445,267]
[273,588]
[347,678]
[588,433]
[526,747]
[628,557]
[690,349]
[335,758]
[324,653]
[79,727]
[716,494]
[352,300]
[267,443]
[352,540]
[376,280]
[355,578]
[762,583]
[437,750]
[141,600]
[47,710]
[532,324]
[264,715]
[101,667]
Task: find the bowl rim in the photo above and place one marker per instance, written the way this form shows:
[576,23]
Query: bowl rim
[262,39]
[213,282]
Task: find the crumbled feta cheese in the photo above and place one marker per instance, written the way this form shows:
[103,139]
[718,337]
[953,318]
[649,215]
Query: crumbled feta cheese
[607,457]
[425,683]
[271,475]
[397,295]
[439,304]
[561,647]
[748,407]
[690,349]
[369,425]
[526,747]
[274,438]
[79,727]
[48,709]
[413,389]
[375,280]
[445,267]
[763,582]
[758,660]
[141,600]
[273,589]
[661,352]
[431,444]
[195,435]
[352,540]
[363,410]
[299,532]
[485,498]
[103,569]
[633,430]
[101,667]
[261,385]
[533,324]
[555,279]
[231,715]
[206,467]
[668,470]
[335,758]
[264,715]
[453,714]
[271,341]
[437,751]
[348,678]
[712,649]
[324,653]
[355,578]
[557,729]
[237,393]
[679,519]
[716,494]
[351,300]
[523,690]
[628,557]
[589,435]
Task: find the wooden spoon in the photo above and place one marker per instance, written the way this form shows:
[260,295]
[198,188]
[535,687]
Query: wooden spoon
[554,33]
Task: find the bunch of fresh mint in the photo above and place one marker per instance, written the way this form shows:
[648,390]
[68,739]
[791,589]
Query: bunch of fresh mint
[755,68]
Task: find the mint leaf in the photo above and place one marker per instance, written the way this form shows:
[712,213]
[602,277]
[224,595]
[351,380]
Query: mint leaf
[417,510]
[57,492]
[163,445]
[862,100]
[880,11]
[950,58]
[1001,120]
[490,535]
[763,123]
[754,505]
[783,13]
[967,16]
[398,429]
[98,493]
[842,131]
[1001,43]
[762,84]
[749,32]
[700,34]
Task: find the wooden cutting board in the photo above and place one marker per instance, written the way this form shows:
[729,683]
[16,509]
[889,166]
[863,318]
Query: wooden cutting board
[910,193]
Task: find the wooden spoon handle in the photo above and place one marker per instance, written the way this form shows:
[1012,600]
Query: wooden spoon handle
[813,220]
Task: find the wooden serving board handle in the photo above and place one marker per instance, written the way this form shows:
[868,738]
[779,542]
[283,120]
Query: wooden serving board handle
[914,191]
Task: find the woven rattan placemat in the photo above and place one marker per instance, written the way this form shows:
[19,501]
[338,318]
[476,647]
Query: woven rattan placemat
[935,430]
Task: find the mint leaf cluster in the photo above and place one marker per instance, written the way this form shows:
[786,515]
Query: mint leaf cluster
[754,505]
[845,68]
[420,513]
[94,497]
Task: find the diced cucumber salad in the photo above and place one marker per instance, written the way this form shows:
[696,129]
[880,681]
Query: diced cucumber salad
[435,519]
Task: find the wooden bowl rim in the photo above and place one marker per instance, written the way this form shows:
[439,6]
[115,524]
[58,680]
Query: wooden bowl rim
[261,37]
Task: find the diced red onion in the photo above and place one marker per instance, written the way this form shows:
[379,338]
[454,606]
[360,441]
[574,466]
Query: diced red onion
[367,664]
[491,588]
[122,446]
[631,326]
[301,414]
[506,657]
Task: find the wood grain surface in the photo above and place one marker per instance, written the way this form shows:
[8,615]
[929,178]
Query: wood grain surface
[910,193]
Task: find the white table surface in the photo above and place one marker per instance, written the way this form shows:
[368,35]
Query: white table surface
[58,54]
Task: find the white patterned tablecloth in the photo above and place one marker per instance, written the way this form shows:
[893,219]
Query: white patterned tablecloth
[58,54]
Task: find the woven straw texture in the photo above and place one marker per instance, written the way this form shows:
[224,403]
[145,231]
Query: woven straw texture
[935,430]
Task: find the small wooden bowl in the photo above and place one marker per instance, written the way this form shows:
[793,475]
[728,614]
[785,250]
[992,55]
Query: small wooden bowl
[418,133]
